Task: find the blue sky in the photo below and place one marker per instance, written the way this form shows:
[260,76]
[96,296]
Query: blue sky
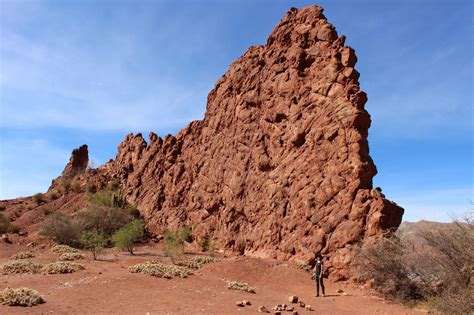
[75,72]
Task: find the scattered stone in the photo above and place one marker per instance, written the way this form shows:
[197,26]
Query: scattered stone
[340,291]
[293,299]
[263,309]
[302,304]
[290,308]
[246,302]
[240,304]
[6,239]
[308,307]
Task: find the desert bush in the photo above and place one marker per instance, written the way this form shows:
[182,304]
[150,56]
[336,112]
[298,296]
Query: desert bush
[173,244]
[52,195]
[94,241]
[70,256]
[207,244]
[91,188]
[197,262]
[134,212]
[157,269]
[113,185]
[20,297]
[61,267]
[384,263]
[62,229]
[76,186]
[66,184]
[20,266]
[240,286]
[104,219]
[438,268]
[63,249]
[186,234]
[125,237]
[47,211]
[22,255]
[39,198]
[14,228]
[4,224]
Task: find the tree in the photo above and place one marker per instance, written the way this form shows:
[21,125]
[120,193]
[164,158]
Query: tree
[94,241]
[125,237]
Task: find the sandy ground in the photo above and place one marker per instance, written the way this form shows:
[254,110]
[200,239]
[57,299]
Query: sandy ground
[106,287]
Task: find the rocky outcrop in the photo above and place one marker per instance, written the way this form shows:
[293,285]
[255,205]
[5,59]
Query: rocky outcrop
[77,162]
[279,166]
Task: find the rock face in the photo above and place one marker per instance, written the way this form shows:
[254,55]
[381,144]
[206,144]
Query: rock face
[77,162]
[279,166]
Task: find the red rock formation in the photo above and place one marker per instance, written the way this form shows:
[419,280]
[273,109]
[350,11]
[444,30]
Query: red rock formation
[279,166]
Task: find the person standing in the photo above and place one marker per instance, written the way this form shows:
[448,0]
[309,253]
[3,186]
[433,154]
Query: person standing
[318,274]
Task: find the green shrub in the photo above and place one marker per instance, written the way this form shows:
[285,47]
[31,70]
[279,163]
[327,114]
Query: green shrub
[94,241]
[20,297]
[173,244]
[113,185]
[240,286]
[62,229]
[125,237]
[186,234]
[63,249]
[70,256]
[61,267]
[22,255]
[20,266]
[39,198]
[157,269]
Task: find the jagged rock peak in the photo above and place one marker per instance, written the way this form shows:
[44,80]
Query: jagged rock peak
[77,162]
[279,166]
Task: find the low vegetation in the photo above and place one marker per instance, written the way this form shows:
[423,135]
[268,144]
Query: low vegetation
[125,237]
[63,249]
[197,262]
[173,242]
[61,267]
[39,198]
[160,270]
[20,266]
[240,286]
[207,245]
[94,241]
[437,271]
[22,255]
[6,226]
[20,297]
[70,256]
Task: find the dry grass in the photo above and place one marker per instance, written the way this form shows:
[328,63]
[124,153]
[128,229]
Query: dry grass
[61,267]
[62,249]
[240,286]
[20,266]
[20,297]
[157,269]
[22,255]
[71,256]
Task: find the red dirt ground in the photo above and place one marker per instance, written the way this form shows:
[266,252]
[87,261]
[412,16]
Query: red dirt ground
[106,287]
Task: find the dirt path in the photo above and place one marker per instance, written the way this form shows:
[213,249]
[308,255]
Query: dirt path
[106,287]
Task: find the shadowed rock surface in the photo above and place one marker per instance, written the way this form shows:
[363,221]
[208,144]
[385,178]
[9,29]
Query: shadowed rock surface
[279,166]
